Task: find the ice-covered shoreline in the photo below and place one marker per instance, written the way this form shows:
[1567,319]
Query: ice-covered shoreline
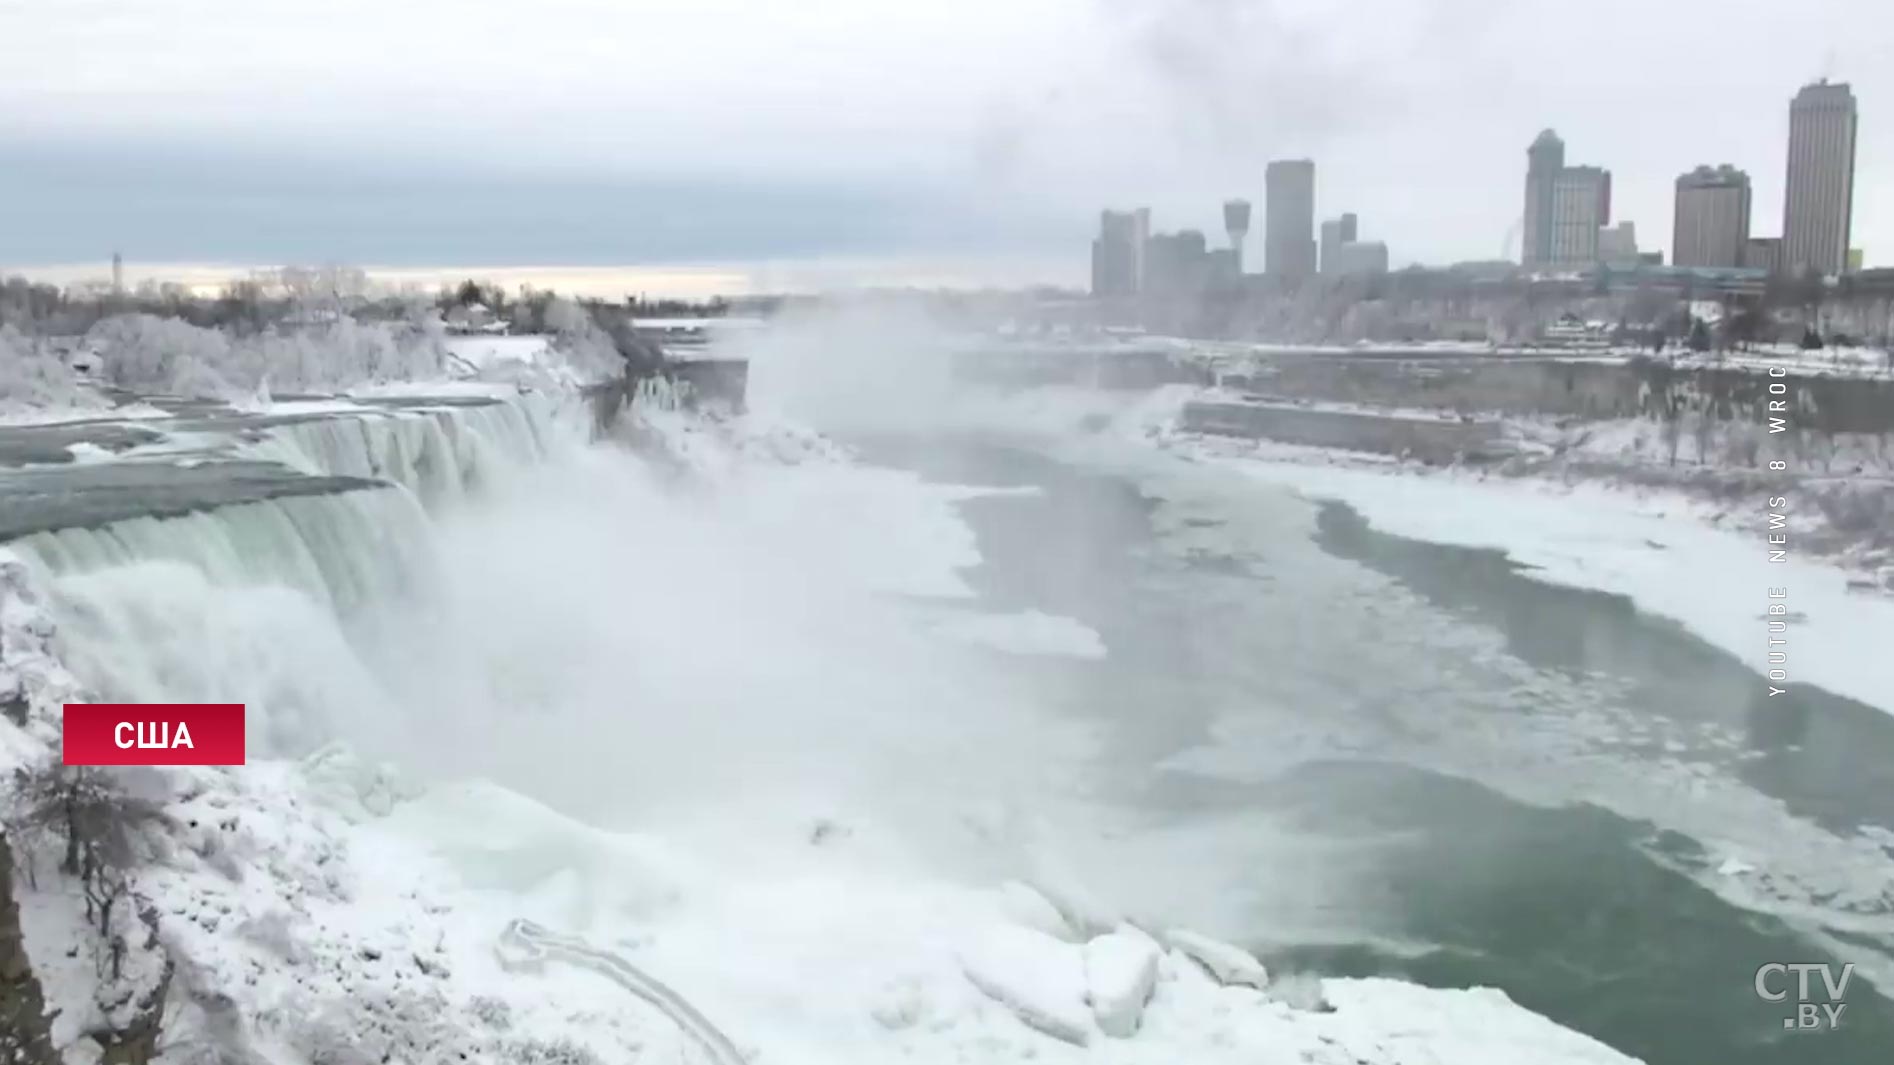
[1654,547]
[1674,553]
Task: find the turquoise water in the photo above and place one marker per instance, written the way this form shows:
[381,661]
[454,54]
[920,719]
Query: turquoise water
[1384,702]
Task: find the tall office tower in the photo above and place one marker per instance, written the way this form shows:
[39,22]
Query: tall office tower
[1581,206]
[1289,219]
[1818,209]
[1117,254]
[1711,226]
[1545,160]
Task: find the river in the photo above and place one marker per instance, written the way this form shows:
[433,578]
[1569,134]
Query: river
[1369,755]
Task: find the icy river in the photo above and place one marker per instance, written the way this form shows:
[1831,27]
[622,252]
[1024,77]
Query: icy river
[1381,756]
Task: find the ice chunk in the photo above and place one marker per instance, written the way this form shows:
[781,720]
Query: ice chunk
[1120,974]
[1085,913]
[1231,965]
[1040,979]
[1026,907]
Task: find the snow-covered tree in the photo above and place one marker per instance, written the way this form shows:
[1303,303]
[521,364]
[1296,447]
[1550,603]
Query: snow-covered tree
[33,375]
[146,353]
[588,348]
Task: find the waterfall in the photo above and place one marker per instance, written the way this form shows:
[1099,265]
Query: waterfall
[278,602]
[508,599]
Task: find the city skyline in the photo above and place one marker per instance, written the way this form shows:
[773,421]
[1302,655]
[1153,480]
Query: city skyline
[1567,222]
[214,149]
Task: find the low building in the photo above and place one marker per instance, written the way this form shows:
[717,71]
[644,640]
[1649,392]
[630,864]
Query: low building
[1176,263]
[1571,331]
[1618,245]
[468,319]
[1763,253]
[1224,267]
[1361,257]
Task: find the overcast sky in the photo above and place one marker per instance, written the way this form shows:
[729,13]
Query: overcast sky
[984,134]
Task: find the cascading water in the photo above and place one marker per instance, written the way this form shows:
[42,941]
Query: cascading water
[508,600]
[269,602]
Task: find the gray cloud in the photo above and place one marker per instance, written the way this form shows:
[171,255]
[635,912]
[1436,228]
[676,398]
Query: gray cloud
[61,200]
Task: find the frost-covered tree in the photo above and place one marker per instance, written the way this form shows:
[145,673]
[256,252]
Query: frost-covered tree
[588,348]
[99,829]
[25,1025]
[33,375]
[146,353]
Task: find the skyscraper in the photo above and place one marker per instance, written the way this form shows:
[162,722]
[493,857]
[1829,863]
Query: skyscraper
[1818,210]
[1711,227]
[1581,206]
[1289,219]
[1118,253]
[1545,160]
[1335,233]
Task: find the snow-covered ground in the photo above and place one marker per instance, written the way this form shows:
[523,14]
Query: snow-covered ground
[1840,360]
[324,906]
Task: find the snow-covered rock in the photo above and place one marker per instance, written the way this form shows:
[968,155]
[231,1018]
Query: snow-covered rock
[1040,979]
[1231,965]
[1120,975]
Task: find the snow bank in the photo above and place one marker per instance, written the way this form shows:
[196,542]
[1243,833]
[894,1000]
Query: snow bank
[1386,1020]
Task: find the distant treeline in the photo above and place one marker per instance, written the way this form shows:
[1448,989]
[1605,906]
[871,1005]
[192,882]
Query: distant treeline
[306,296]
